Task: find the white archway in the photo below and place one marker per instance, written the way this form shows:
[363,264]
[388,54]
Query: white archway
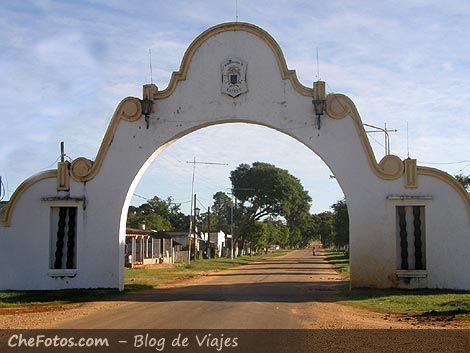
[273,97]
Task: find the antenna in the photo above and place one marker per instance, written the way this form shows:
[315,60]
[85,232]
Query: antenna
[407,141]
[150,65]
[386,135]
[318,67]
[236,10]
[62,152]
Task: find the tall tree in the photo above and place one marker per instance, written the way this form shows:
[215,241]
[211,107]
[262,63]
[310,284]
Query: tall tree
[221,212]
[257,235]
[340,223]
[326,228]
[277,233]
[264,189]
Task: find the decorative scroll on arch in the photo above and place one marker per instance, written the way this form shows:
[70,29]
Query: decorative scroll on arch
[83,169]
[339,106]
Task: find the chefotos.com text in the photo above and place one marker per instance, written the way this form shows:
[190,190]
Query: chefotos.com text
[18,340]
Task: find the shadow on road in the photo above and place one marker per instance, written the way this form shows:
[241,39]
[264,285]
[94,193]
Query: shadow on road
[290,292]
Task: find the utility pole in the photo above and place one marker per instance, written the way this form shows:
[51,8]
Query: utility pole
[209,252]
[196,214]
[193,205]
[191,213]
[231,226]
[208,220]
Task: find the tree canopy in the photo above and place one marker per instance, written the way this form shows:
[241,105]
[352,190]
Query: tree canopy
[266,190]
[221,212]
[340,223]
[158,214]
[268,206]
[464,180]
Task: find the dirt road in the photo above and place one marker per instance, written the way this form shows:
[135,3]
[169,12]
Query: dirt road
[292,291]
[297,290]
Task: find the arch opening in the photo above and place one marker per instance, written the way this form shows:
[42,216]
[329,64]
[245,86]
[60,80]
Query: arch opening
[255,137]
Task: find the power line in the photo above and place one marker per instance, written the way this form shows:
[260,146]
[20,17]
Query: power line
[447,163]
[201,204]
[461,170]
[171,203]
[213,163]
[139,196]
[53,163]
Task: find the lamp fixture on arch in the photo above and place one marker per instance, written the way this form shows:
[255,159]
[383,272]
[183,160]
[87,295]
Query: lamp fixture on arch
[319,100]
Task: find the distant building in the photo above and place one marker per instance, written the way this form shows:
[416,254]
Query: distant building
[144,247]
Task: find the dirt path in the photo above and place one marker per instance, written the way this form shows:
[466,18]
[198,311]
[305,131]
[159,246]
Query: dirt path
[292,291]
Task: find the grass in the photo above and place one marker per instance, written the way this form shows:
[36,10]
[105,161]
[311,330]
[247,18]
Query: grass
[156,277]
[135,279]
[19,298]
[417,302]
[340,260]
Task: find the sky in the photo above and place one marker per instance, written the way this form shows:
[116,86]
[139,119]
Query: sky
[65,65]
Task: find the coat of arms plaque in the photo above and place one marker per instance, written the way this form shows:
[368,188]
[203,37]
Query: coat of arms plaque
[234,77]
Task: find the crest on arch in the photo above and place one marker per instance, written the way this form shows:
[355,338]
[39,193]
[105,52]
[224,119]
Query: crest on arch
[234,77]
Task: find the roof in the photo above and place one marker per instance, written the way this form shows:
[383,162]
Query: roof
[181,234]
[176,234]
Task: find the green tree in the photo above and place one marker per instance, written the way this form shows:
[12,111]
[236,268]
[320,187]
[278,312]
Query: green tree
[464,180]
[151,221]
[221,212]
[326,228]
[257,235]
[158,214]
[340,223]
[277,233]
[264,189]
[308,226]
